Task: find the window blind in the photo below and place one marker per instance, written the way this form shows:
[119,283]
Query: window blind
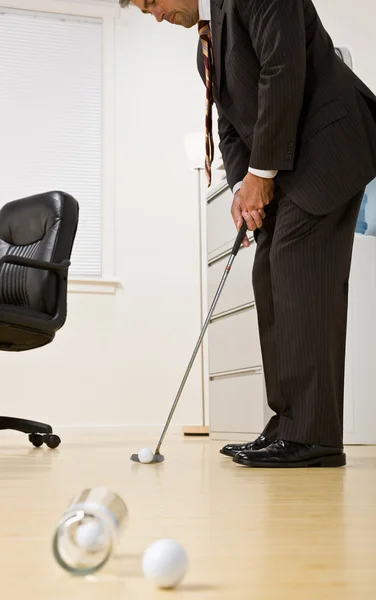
[50,118]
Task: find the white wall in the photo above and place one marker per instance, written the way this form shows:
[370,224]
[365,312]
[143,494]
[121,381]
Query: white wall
[120,358]
[352,24]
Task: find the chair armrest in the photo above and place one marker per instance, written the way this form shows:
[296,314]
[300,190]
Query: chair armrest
[61,269]
[35,264]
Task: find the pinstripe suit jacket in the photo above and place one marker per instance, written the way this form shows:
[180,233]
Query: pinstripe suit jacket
[286,101]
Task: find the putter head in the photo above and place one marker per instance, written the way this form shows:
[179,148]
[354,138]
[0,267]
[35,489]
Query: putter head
[157,458]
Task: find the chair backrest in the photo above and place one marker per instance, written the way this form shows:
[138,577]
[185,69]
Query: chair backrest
[42,227]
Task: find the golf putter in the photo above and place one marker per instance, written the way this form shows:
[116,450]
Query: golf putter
[158,457]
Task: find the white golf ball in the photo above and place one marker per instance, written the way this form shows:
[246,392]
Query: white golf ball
[165,563]
[146,455]
[90,537]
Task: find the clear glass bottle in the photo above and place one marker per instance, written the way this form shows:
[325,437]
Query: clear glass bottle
[89,530]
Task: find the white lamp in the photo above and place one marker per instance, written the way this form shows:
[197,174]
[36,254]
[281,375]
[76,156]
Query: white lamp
[195,152]
[195,149]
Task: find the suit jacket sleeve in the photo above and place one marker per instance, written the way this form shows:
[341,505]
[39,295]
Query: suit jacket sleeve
[234,152]
[277,31]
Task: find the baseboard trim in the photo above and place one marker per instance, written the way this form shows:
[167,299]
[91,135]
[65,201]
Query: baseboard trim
[114,428]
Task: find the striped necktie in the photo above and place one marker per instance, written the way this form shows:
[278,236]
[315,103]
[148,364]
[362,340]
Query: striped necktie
[207,50]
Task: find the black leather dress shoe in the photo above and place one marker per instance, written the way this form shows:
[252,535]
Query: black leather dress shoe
[293,455]
[233,449]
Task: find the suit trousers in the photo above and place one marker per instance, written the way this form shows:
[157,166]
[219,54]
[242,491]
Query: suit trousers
[300,279]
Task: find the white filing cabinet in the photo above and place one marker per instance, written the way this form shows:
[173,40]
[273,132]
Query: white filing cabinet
[360,378]
[238,408]
[237,399]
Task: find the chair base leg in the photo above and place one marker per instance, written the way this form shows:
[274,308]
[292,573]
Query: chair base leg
[39,433]
[24,425]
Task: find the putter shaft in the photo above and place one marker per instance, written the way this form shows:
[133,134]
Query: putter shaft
[210,314]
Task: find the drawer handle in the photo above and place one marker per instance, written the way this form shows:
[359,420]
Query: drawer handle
[217,192]
[212,261]
[233,311]
[236,373]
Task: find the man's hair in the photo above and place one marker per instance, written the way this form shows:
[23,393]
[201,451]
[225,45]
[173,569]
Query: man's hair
[124,3]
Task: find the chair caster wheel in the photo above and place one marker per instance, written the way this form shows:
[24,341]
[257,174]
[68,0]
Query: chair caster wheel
[52,441]
[36,439]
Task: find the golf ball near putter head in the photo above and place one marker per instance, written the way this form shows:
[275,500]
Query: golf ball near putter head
[146,455]
[165,563]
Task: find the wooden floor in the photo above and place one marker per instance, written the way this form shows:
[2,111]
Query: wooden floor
[250,534]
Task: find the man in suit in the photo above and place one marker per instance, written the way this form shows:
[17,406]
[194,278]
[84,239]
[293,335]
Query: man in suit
[297,134]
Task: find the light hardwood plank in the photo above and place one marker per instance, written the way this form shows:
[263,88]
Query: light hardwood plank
[250,534]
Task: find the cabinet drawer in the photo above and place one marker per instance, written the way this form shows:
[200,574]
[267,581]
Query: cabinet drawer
[221,231]
[234,342]
[237,404]
[238,289]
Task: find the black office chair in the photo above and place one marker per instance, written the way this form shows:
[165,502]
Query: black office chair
[36,241]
